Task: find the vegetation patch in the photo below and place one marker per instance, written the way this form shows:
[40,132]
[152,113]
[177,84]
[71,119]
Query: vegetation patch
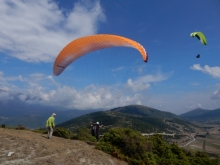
[131,146]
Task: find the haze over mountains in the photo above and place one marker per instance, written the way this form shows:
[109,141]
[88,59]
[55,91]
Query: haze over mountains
[16,112]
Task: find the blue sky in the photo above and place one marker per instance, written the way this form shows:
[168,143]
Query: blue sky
[32,33]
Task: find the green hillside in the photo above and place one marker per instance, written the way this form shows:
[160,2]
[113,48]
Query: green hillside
[140,118]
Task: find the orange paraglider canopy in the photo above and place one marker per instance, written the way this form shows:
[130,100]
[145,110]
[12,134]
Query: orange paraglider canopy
[84,45]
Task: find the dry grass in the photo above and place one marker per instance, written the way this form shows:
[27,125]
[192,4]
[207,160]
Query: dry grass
[33,148]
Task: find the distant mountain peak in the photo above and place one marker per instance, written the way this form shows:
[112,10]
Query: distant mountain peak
[195,112]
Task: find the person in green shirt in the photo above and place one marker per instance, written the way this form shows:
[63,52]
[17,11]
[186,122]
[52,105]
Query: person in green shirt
[50,124]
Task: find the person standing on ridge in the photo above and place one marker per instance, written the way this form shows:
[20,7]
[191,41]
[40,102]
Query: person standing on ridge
[95,130]
[50,124]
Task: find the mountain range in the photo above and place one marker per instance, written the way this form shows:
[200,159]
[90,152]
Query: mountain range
[138,117]
[202,115]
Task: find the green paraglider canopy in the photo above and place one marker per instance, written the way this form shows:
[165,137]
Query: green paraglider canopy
[200,36]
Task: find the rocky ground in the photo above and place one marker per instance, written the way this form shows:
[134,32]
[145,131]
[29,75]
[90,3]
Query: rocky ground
[23,147]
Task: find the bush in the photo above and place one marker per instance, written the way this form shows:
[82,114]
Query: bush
[20,127]
[85,135]
[62,132]
[3,126]
[202,159]
[40,130]
[125,144]
[131,146]
[10,127]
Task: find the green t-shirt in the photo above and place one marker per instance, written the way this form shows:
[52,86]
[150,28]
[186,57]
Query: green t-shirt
[50,122]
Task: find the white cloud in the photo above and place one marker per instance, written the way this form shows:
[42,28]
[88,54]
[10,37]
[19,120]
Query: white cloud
[213,71]
[36,31]
[53,81]
[137,85]
[216,95]
[37,76]
[91,97]
[179,103]
[106,97]
[14,78]
[193,106]
[143,83]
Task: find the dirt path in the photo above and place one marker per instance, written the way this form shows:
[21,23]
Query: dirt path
[193,139]
[32,148]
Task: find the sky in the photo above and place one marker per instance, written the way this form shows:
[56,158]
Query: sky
[32,34]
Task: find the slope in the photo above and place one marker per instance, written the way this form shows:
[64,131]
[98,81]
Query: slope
[33,148]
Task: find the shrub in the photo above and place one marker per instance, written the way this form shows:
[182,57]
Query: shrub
[136,149]
[125,144]
[202,159]
[62,132]
[20,127]
[85,135]
[10,127]
[3,126]
[40,130]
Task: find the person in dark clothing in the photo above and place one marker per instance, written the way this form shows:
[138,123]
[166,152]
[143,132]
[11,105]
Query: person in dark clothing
[95,130]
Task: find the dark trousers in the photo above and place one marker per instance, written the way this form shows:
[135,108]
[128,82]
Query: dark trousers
[97,137]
